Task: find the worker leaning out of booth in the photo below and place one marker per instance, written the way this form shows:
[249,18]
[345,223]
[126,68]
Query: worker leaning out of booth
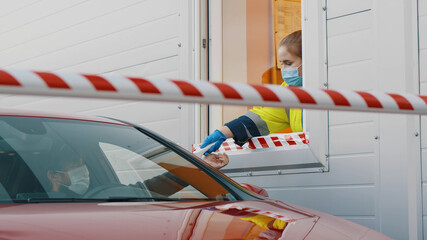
[260,121]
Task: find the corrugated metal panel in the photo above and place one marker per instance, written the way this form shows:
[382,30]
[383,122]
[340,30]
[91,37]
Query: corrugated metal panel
[130,37]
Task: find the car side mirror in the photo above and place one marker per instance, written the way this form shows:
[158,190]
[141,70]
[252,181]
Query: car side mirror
[255,189]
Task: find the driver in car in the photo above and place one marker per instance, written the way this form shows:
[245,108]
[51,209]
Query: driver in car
[69,175]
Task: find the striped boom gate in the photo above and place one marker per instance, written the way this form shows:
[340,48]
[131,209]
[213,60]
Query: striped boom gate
[170,90]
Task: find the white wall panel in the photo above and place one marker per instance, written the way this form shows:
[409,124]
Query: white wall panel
[423,32]
[340,118]
[8,7]
[424,227]
[168,66]
[167,74]
[345,170]
[367,221]
[161,51]
[110,46]
[351,47]
[423,70]
[356,76]
[424,163]
[424,198]
[424,132]
[422,4]
[349,188]
[423,90]
[129,37]
[349,24]
[40,10]
[63,20]
[101,47]
[136,110]
[347,200]
[350,59]
[337,8]
[422,8]
[167,128]
[352,139]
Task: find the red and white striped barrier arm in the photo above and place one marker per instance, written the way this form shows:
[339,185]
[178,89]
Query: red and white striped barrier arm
[271,141]
[279,140]
[136,88]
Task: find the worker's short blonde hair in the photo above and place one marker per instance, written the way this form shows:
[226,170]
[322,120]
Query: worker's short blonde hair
[293,43]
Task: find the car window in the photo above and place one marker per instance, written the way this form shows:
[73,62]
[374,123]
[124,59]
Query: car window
[131,167]
[48,160]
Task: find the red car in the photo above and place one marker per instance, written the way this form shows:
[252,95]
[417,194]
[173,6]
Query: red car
[70,177]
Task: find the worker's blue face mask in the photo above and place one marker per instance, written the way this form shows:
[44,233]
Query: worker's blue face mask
[291,77]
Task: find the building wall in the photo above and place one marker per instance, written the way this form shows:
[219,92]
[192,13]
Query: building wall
[148,38]
[373,158]
[348,189]
[423,90]
[234,54]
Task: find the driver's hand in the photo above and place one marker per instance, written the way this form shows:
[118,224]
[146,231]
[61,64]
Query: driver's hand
[216,160]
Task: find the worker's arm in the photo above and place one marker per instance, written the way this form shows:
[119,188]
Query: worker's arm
[259,121]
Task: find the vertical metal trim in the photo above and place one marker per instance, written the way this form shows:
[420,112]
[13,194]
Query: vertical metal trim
[204,48]
[208,50]
[420,219]
[327,81]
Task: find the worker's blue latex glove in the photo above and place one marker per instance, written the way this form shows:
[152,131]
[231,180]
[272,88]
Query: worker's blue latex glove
[216,137]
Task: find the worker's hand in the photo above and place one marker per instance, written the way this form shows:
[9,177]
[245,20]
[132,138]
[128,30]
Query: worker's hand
[216,137]
[216,160]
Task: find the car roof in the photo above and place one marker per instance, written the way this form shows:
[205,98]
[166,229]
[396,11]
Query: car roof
[55,115]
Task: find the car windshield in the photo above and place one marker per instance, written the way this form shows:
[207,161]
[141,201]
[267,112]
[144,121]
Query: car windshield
[61,160]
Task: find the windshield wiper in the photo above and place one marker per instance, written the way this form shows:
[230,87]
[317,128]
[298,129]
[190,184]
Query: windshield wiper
[110,199]
[147,199]
[57,200]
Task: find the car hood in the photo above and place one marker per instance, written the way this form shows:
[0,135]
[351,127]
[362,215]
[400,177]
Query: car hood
[171,220]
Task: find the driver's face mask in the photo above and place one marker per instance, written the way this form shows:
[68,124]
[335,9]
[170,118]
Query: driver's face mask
[79,178]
